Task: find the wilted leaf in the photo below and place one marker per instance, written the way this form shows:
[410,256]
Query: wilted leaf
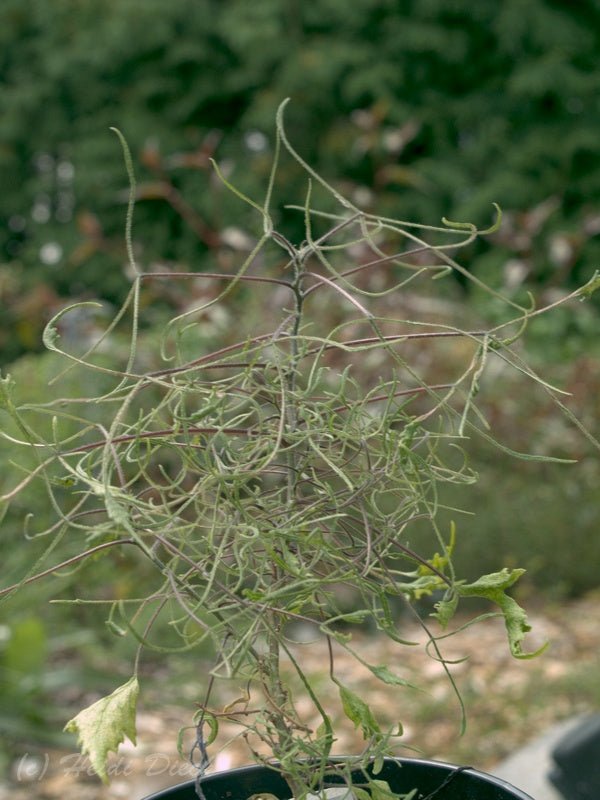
[493,587]
[102,726]
[359,713]
[445,610]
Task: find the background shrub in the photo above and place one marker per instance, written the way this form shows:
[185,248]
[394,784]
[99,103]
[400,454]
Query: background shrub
[433,108]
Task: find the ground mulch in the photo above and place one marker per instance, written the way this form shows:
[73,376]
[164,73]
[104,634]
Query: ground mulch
[508,702]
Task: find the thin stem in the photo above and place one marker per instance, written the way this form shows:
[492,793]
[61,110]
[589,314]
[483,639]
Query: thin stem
[68,563]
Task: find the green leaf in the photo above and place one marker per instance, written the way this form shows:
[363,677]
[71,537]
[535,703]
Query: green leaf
[7,386]
[489,585]
[387,676]
[338,636]
[459,226]
[380,790]
[102,726]
[493,587]
[359,713]
[445,610]
[590,287]
[255,595]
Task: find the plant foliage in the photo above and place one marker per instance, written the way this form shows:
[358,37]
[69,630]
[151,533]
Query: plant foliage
[289,462]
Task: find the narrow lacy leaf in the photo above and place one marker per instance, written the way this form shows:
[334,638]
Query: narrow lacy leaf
[102,726]
[493,587]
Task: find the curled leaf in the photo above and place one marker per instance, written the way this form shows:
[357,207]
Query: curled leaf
[51,335]
[445,609]
[493,587]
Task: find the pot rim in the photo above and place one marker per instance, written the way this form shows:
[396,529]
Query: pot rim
[242,774]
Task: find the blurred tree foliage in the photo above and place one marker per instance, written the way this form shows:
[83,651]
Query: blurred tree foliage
[433,107]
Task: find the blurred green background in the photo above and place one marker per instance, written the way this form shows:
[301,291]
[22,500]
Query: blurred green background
[423,108]
[417,108]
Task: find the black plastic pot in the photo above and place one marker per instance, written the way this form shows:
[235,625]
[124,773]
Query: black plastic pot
[435,781]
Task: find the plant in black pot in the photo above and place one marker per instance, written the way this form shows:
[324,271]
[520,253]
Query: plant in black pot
[280,474]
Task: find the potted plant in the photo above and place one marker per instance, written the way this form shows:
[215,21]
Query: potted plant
[286,475]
